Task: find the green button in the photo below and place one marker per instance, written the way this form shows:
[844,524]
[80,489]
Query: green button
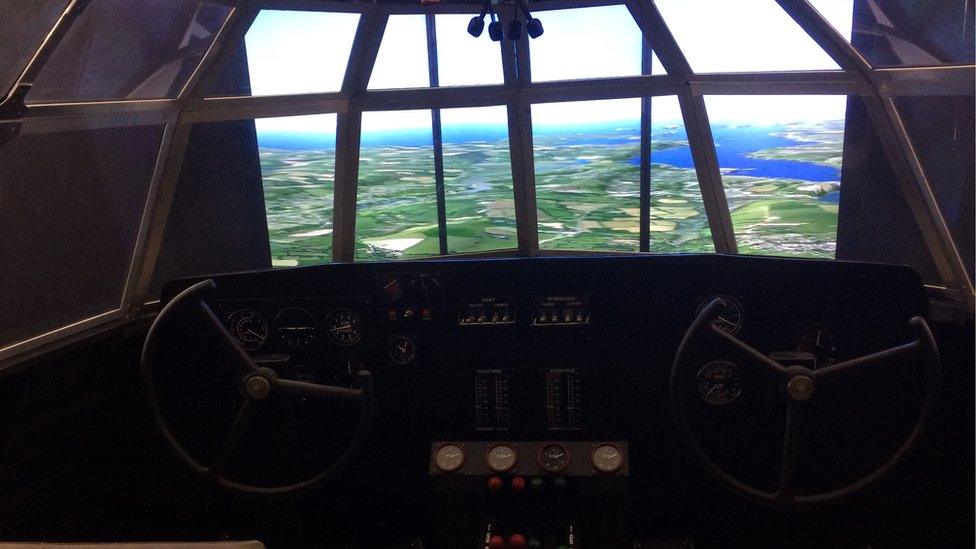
[537,484]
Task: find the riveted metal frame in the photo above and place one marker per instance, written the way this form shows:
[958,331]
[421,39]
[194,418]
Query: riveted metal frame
[877,86]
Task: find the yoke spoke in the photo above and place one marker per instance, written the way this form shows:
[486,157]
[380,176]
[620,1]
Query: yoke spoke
[314,390]
[869,360]
[233,437]
[226,339]
[748,349]
[791,440]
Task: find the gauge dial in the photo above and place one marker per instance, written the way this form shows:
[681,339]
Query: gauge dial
[728,316]
[607,458]
[249,328]
[501,458]
[391,288]
[553,458]
[720,382]
[345,327]
[403,349]
[295,328]
[449,458]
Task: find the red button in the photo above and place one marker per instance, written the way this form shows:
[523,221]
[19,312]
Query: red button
[518,484]
[495,484]
[425,313]
[516,541]
[496,542]
[391,315]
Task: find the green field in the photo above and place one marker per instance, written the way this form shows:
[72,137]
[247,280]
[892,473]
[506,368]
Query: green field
[587,196]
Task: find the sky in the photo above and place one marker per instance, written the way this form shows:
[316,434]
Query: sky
[304,52]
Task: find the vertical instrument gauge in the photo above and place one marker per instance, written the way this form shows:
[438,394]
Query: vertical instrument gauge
[295,328]
[720,382]
[728,317]
[345,327]
[553,458]
[501,458]
[403,349]
[607,458]
[448,458]
[249,328]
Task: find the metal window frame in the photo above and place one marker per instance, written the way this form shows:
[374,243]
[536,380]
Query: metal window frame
[878,86]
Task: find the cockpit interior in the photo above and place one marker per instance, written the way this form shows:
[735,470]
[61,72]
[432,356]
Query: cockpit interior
[487,274]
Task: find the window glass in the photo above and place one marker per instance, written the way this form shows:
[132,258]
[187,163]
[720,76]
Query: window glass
[780,158]
[402,59]
[478,180]
[23,27]
[463,60]
[396,205]
[72,207]
[587,174]
[586,43]
[217,221]
[678,222]
[941,130]
[129,49]
[298,52]
[839,13]
[897,33]
[748,35]
[297,176]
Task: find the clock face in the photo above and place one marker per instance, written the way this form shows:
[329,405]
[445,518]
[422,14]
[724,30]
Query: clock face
[403,349]
[345,327]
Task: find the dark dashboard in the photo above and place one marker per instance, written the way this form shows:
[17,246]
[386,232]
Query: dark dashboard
[549,368]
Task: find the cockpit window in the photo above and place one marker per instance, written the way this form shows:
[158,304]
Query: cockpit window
[780,158]
[402,59]
[586,43]
[587,174]
[742,36]
[298,175]
[396,205]
[462,60]
[129,49]
[23,27]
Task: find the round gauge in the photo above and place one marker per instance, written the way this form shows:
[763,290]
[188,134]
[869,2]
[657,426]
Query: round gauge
[607,458]
[728,317]
[501,458]
[720,382]
[391,288]
[295,328]
[553,458]
[345,327]
[403,350]
[449,458]
[820,341]
[249,328]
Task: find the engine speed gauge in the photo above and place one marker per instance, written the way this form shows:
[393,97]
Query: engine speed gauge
[449,458]
[295,328]
[345,327]
[720,382]
[249,328]
[607,458]
[501,458]
[553,458]
[728,316]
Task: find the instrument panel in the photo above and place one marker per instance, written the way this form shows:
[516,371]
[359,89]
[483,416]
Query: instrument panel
[518,348]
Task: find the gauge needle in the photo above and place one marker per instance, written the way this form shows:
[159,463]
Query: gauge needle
[723,319]
[255,334]
[345,328]
[402,348]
